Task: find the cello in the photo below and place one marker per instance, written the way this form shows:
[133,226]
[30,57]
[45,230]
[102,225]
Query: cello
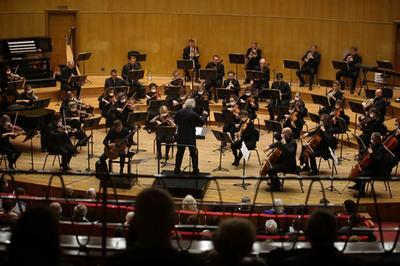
[272,158]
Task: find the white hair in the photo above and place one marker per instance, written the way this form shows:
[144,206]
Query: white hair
[278,203]
[189,203]
[189,104]
[129,216]
[271,227]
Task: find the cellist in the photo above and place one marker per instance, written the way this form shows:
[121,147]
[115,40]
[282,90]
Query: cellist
[284,161]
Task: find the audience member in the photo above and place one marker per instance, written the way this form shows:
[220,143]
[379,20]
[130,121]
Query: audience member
[349,206]
[277,207]
[245,205]
[91,194]
[20,207]
[189,203]
[79,214]
[355,223]
[129,217]
[271,227]
[56,208]
[8,216]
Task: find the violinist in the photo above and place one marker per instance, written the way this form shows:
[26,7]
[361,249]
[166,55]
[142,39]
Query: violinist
[253,56]
[164,119]
[27,98]
[58,142]
[106,101]
[121,109]
[135,88]
[66,73]
[200,93]
[311,60]
[325,142]
[334,95]
[338,119]
[212,84]
[261,84]
[114,80]
[153,94]
[295,119]
[231,113]
[378,103]
[74,118]
[232,83]
[246,133]
[368,125]
[69,97]
[8,96]
[353,60]
[286,95]
[251,104]
[286,161]
[377,168]
[7,131]
[191,52]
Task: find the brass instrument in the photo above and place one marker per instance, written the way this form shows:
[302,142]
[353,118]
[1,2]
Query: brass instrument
[309,56]
[252,54]
[349,58]
[194,52]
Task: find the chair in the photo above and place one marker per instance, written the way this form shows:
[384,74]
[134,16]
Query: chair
[3,157]
[333,167]
[128,159]
[258,155]
[58,156]
[385,183]
[297,173]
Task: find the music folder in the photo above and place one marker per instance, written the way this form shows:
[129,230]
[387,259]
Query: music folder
[254,75]
[42,103]
[291,64]
[141,57]
[83,56]
[385,64]
[172,91]
[321,100]
[201,132]
[224,93]
[208,74]
[273,94]
[325,83]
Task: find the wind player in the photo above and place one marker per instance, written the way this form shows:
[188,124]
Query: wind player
[114,80]
[232,83]
[263,83]
[286,95]
[253,56]
[134,85]
[164,119]
[191,52]
[286,163]
[311,60]
[66,73]
[213,84]
[353,60]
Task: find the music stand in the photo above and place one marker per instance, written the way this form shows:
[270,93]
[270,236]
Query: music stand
[186,65]
[340,65]
[254,75]
[83,57]
[291,64]
[273,126]
[77,80]
[237,59]
[137,117]
[281,111]
[223,93]
[224,138]
[135,75]
[165,131]
[141,57]
[208,74]
[369,93]
[29,136]
[327,83]
[42,103]
[273,94]
[385,64]
[119,89]
[172,92]
[356,108]
[219,117]
[90,124]
[321,100]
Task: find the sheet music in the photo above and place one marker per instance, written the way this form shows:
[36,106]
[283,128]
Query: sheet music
[245,151]
[199,131]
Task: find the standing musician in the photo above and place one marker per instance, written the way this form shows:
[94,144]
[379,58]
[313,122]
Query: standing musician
[321,142]
[135,88]
[253,56]
[66,73]
[282,159]
[153,94]
[106,102]
[286,95]
[58,142]
[311,60]
[117,142]
[295,119]
[377,167]
[369,124]
[378,103]
[164,119]
[121,109]
[187,120]
[191,52]
[353,60]
[27,98]
[232,83]
[246,133]
[114,80]
[7,131]
[251,102]
[74,118]
[213,84]
[263,83]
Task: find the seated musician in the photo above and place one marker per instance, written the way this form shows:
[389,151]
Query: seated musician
[121,109]
[7,131]
[152,95]
[135,88]
[322,149]
[335,94]
[176,100]
[247,134]
[74,119]
[286,163]
[379,103]
[232,83]
[117,134]
[352,59]
[176,79]
[163,120]
[392,142]
[377,167]
[213,84]
[58,142]
[259,85]
[114,80]
[339,120]
[69,97]
[66,73]
[311,60]
[106,101]
[286,95]
[26,98]
[8,96]
[253,56]
[200,93]
[295,119]
[251,104]
[231,109]
[191,52]
[369,124]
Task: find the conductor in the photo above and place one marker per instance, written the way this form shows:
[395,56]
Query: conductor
[186,121]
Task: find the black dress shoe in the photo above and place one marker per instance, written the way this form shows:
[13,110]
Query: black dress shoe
[314,173]
[272,189]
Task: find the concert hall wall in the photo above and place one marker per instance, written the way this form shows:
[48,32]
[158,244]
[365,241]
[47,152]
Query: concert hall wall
[161,28]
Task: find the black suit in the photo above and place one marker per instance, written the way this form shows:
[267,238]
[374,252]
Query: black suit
[254,61]
[310,67]
[66,73]
[380,105]
[134,85]
[197,66]
[117,82]
[262,83]
[186,121]
[215,83]
[286,95]
[235,86]
[352,73]
[249,136]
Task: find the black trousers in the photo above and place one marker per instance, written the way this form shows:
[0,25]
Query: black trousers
[122,156]
[273,174]
[211,87]
[66,151]
[351,74]
[11,153]
[167,148]
[306,70]
[179,157]
[312,162]
[235,147]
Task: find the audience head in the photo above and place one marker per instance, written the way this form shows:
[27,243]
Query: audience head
[321,229]
[80,212]
[271,227]
[129,217]
[8,205]
[189,203]
[278,205]
[189,104]
[350,206]
[56,209]
[3,184]
[324,201]
[91,193]
[69,192]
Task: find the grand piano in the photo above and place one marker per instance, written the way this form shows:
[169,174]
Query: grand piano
[29,56]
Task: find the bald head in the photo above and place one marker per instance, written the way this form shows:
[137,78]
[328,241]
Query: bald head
[263,62]
[378,93]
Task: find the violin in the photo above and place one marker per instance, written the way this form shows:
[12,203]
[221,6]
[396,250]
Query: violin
[242,128]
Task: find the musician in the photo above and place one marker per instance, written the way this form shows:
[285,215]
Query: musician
[253,56]
[66,73]
[232,83]
[323,149]
[114,80]
[286,95]
[5,78]
[191,52]
[121,109]
[295,119]
[353,60]
[69,97]
[246,133]
[393,157]
[200,93]
[377,167]
[231,113]
[335,94]
[117,133]
[187,120]
[27,98]
[135,88]
[106,101]
[74,118]
[379,103]
[7,131]
[251,104]
[152,95]
[58,142]
[286,163]
[339,120]
[311,60]
[176,79]
[263,83]
[163,120]
[371,123]
[213,84]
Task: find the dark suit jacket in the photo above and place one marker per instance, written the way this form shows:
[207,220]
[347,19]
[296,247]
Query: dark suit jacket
[313,63]
[187,120]
[254,60]
[284,88]
[113,83]
[220,69]
[65,75]
[128,67]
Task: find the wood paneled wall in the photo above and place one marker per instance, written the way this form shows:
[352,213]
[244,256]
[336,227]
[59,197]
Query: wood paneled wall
[161,28]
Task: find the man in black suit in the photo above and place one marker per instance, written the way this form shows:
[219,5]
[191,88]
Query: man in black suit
[353,60]
[134,85]
[114,80]
[232,83]
[286,95]
[66,73]
[213,84]
[311,60]
[191,52]
[187,120]
[253,56]
[263,82]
